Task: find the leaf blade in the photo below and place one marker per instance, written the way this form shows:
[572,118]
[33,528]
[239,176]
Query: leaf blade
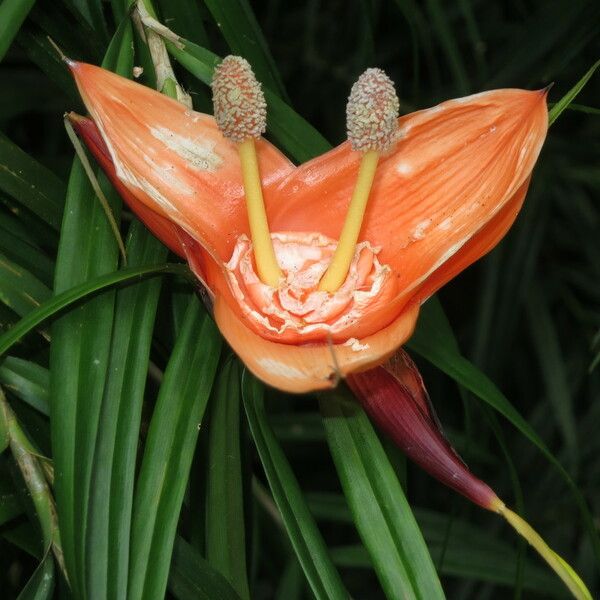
[380,510]
[304,535]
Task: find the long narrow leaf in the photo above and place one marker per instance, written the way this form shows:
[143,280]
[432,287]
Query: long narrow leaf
[292,132]
[70,296]
[192,578]
[111,497]
[80,350]
[12,15]
[225,531]
[169,451]
[20,290]
[22,250]
[26,380]
[566,100]
[434,340]
[304,535]
[78,363]
[242,32]
[30,183]
[380,510]
[41,584]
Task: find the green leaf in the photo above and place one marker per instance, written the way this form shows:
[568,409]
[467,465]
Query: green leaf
[380,510]
[26,380]
[119,55]
[185,18]
[61,301]
[225,531]
[241,30]
[31,184]
[113,470]
[552,365]
[19,289]
[41,584]
[169,451]
[10,505]
[447,38]
[293,133]
[21,248]
[434,340]
[590,110]
[192,577]
[304,535]
[458,548]
[566,100]
[12,15]
[79,359]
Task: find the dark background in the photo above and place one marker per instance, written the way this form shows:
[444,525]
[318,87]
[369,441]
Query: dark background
[528,314]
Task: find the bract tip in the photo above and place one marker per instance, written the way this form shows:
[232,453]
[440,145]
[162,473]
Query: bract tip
[74,117]
[69,62]
[544,91]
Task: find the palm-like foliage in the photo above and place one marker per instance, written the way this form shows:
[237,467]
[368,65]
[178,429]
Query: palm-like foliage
[175,472]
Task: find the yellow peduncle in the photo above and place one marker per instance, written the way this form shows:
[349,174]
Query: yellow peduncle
[344,253]
[241,114]
[569,577]
[371,119]
[264,254]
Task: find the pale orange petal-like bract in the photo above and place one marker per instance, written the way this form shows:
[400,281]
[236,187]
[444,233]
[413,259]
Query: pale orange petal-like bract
[445,195]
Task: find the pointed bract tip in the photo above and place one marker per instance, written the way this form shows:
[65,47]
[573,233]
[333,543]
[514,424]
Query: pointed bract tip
[69,62]
[372,112]
[239,103]
[74,117]
[544,91]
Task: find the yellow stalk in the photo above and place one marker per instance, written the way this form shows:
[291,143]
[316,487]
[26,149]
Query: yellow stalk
[264,254]
[558,564]
[340,264]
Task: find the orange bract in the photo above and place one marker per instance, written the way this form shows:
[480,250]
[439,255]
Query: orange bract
[444,196]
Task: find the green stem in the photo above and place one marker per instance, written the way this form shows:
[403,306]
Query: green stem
[33,475]
[166,82]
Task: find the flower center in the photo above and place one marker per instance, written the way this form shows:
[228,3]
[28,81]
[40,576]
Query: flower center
[296,311]
[240,112]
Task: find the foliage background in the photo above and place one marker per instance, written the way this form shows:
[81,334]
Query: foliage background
[528,316]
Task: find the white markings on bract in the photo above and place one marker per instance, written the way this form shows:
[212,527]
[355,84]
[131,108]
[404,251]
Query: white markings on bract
[419,232]
[446,224]
[355,345]
[127,176]
[168,177]
[280,369]
[200,155]
[404,168]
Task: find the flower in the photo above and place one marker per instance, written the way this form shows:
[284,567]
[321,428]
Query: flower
[443,186]
[443,195]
